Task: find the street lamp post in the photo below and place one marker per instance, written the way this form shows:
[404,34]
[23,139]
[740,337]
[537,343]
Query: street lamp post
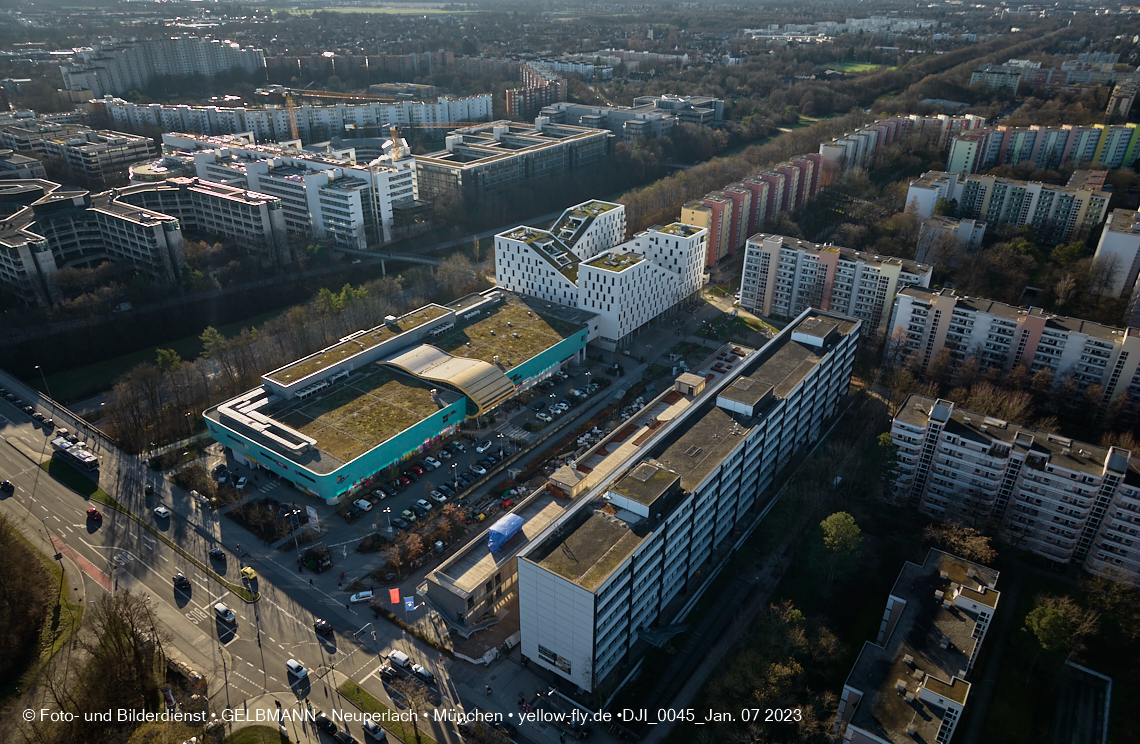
[189,424]
[51,400]
[388,515]
[500,445]
[454,476]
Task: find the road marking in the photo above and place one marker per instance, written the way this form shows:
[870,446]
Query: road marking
[250,665]
[163,557]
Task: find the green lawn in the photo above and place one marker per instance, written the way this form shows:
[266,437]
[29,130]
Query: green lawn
[256,735]
[369,704]
[83,382]
[859,67]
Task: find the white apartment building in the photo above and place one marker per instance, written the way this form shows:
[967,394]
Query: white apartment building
[784,276]
[610,566]
[314,123]
[329,196]
[910,684]
[116,68]
[582,262]
[965,236]
[1001,336]
[1118,251]
[1057,213]
[1065,500]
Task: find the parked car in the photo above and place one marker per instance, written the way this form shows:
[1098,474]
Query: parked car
[437,497]
[457,445]
[538,406]
[363,504]
[400,523]
[433,462]
[445,489]
[425,504]
[403,481]
[477,468]
[217,554]
[351,516]
[445,454]
[419,510]
[423,674]
[544,417]
[248,573]
[412,475]
[418,469]
[483,447]
[381,494]
[343,737]
[388,674]
[466,479]
[359,597]
[373,731]
[242,482]
[408,515]
[161,512]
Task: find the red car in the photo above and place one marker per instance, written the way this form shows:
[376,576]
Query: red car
[94,515]
[417,470]
[404,481]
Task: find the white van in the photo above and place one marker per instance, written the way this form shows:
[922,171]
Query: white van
[361,597]
[400,659]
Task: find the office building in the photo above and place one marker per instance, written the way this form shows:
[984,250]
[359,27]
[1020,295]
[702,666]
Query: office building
[659,501]
[1000,336]
[1118,251]
[487,160]
[947,239]
[117,68]
[94,156]
[1064,500]
[327,196]
[141,226]
[1056,213]
[14,165]
[582,262]
[627,123]
[703,110]
[784,276]
[314,123]
[910,683]
[333,422]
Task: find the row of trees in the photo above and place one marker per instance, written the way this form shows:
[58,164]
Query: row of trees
[150,403]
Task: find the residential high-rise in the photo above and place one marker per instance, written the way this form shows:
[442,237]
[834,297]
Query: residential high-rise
[541,87]
[656,504]
[784,276]
[323,195]
[1065,500]
[117,68]
[712,212]
[948,239]
[910,684]
[581,262]
[1056,213]
[1000,336]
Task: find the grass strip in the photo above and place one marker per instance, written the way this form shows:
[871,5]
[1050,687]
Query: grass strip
[369,704]
[86,487]
[52,639]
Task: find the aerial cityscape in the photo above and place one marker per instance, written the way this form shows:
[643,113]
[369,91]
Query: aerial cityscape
[673,372]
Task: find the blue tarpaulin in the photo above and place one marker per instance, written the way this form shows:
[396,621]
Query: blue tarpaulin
[502,531]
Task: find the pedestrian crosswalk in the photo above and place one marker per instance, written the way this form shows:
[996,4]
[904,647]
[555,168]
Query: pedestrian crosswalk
[511,431]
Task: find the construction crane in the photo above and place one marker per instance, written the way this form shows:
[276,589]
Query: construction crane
[292,116]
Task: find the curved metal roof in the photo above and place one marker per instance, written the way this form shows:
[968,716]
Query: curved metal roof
[485,384]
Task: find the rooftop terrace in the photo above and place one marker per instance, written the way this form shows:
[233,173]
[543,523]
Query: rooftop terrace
[680,229]
[614,261]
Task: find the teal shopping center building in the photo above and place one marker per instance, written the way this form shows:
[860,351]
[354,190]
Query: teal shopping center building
[333,422]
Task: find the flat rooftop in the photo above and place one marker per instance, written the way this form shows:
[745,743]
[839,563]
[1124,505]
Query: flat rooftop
[928,646]
[646,483]
[679,229]
[598,544]
[615,261]
[360,415]
[514,331]
[346,349]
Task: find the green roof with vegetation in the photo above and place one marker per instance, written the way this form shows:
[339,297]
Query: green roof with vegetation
[347,349]
[617,262]
[362,414]
[494,334]
[681,229]
[589,554]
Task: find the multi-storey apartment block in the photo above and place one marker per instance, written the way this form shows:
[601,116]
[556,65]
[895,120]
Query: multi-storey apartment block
[327,196]
[1057,213]
[964,235]
[1118,251]
[1000,336]
[541,87]
[118,68]
[857,149]
[14,165]
[652,511]
[910,684]
[488,160]
[784,276]
[581,262]
[314,123]
[1101,145]
[98,156]
[1000,77]
[1065,500]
